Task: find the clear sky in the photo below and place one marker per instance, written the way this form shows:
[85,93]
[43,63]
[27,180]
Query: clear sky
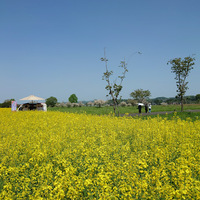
[53,48]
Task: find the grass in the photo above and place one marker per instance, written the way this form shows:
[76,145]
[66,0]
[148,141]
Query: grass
[123,110]
[133,109]
[182,115]
[159,108]
[95,110]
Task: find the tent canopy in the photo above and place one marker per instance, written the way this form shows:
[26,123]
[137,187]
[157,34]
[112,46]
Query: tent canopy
[32,98]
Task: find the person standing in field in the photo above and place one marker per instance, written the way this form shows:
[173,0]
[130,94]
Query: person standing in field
[139,108]
[146,107]
[149,108]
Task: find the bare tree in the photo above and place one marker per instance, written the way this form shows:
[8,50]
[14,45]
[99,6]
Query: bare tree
[113,88]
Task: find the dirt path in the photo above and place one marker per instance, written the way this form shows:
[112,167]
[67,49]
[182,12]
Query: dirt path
[158,113]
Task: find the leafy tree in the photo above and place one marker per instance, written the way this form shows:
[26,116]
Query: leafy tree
[73,99]
[189,99]
[51,101]
[157,101]
[181,68]
[89,103]
[140,94]
[6,103]
[75,105]
[99,103]
[123,104]
[170,100]
[197,98]
[132,102]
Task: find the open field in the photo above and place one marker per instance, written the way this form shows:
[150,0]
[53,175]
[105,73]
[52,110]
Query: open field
[182,115]
[123,110]
[59,155]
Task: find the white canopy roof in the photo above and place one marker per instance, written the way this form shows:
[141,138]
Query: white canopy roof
[32,98]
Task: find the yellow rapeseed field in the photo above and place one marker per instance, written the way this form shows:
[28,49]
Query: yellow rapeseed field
[54,155]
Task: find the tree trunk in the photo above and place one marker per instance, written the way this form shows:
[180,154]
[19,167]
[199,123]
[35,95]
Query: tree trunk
[116,111]
[181,103]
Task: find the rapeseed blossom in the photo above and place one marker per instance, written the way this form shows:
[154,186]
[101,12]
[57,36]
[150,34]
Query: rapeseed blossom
[56,155]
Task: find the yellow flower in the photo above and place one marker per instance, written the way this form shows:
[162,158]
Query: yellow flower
[56,155]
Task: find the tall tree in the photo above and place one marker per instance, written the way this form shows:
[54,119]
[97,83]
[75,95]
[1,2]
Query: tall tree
[181,68]
[140,94]
[73,98]
[113,88]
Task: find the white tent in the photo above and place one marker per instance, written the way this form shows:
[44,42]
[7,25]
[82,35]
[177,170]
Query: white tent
[33,105]
[31,98]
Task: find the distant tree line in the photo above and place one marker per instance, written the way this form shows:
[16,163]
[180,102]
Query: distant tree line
[192,99]
[6,103]
[52,102]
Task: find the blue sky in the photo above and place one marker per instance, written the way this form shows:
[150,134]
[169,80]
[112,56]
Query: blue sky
[53,48]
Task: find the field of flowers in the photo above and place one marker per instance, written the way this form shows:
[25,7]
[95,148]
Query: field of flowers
[54,155]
